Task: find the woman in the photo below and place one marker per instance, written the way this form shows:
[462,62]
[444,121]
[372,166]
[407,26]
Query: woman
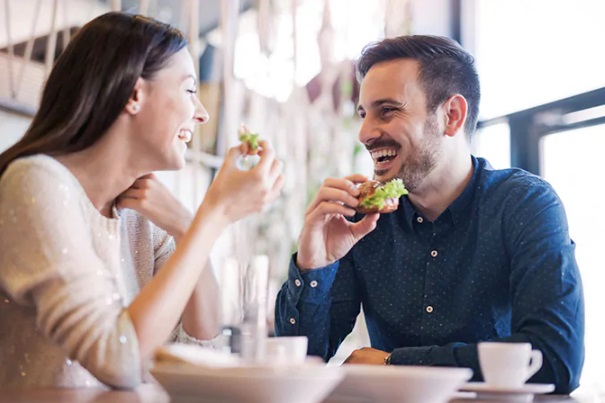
[84,226]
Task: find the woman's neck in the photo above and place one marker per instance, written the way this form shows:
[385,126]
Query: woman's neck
[103,173]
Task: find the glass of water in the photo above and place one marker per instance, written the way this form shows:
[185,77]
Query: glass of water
[244,307]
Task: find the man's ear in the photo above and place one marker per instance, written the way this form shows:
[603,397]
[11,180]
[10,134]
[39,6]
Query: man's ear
[456,109]
[135,102]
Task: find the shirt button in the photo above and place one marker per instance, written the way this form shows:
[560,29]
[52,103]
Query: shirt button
[292,321]
[313,284]
[429,309]
[434,253]
[297,282]
[420,219]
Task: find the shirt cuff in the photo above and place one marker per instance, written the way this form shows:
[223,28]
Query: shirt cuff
[411,356]
[312,285]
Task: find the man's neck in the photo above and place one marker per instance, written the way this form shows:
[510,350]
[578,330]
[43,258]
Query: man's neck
[443,185]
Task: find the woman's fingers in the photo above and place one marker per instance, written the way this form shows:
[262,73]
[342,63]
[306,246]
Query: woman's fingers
[267,156]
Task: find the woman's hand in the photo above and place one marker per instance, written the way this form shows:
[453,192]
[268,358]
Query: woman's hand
[153,200]
[237,193]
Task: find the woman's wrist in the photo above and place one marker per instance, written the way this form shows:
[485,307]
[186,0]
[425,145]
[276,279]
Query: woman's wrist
[182,225]
[212,213]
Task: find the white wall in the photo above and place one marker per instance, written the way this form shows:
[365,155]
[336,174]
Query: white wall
[12,128]
[431,17]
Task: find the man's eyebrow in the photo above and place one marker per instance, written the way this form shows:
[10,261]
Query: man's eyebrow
[380,102]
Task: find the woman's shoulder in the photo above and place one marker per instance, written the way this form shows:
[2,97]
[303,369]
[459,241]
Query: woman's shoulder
[38,167]
[39,179]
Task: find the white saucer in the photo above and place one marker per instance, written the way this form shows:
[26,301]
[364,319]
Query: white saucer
[524,393]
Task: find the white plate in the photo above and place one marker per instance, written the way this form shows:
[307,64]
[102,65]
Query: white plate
[401,384]
[524,393]
[187,382]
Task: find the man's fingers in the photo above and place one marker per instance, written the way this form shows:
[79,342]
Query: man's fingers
[343,184]
[363,227]
[325,208]
[333,195]
[357,178]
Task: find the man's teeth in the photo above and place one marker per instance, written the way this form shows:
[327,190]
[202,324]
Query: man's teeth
[383,153]
[185,135]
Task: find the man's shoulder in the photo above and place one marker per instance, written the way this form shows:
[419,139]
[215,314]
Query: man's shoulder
[513,183]
[514,187]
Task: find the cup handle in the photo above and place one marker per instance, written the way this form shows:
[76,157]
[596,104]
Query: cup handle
[536,363]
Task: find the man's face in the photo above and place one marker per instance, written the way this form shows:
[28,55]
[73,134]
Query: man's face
[403,139]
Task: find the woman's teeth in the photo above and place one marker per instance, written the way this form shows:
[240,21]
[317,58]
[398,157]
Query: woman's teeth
[185,135]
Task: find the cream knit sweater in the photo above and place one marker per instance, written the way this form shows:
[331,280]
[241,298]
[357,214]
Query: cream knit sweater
[66,275]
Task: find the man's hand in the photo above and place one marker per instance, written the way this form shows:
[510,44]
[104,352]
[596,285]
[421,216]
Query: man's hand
[367,355]
[327,235]
[153,200]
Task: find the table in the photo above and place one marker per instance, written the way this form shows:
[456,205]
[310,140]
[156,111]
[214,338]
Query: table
[151,393]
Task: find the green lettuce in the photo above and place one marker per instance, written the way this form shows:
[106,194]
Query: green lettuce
[393,189]
[250,138]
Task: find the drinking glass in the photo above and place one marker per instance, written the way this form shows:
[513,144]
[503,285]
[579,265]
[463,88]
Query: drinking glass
[244,307]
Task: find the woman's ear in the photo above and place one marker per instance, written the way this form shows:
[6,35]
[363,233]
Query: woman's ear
[456,109]
[135,102]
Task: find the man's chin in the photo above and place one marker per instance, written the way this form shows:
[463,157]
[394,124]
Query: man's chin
[384,175]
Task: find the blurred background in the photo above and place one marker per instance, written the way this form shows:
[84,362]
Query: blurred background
[286,69]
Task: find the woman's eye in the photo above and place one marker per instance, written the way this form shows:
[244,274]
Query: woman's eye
[192,91]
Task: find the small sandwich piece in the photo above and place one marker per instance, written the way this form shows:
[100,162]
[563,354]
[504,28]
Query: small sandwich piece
[375,197]
[246,136]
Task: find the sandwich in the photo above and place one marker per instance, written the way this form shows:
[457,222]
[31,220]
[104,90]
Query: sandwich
[377,197]
[251,158]
[246,136]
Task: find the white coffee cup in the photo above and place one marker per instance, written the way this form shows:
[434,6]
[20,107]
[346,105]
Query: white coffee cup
[508,365]
[291,350]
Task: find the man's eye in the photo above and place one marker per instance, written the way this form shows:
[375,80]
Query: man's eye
[386,110]
[362,115]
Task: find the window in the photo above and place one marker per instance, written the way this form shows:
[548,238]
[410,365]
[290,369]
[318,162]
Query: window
[541,69]
[571,162]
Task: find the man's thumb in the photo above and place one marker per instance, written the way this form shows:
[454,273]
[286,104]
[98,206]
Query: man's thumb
[365,226]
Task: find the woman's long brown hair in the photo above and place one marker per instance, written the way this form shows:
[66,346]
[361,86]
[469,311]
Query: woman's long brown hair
[92,81]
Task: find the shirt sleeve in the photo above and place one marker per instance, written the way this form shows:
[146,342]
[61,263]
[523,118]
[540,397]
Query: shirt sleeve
[322,304]
[546,294]
[48,262]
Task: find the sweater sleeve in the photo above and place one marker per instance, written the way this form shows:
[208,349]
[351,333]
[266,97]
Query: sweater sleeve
[163,247]
[49,262]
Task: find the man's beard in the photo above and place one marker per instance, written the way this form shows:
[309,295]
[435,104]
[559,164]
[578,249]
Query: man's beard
[421,162]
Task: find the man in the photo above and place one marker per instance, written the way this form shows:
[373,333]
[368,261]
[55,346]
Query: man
[472,254]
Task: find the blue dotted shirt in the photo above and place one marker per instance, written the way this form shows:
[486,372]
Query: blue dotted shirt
[498,264]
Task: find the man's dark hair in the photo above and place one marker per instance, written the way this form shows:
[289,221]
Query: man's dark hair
[445,69]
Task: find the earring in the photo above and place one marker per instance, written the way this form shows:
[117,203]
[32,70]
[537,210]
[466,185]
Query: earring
[136,108]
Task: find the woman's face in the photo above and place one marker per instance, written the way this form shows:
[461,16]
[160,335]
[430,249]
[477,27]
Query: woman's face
[169,112]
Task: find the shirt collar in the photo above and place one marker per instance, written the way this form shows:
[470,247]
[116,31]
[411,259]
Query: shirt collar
[459,208]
